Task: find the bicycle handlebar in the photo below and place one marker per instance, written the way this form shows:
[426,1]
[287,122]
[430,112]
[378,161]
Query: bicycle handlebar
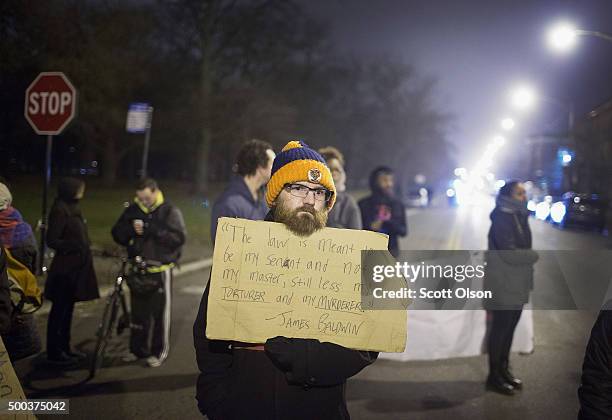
[106,254]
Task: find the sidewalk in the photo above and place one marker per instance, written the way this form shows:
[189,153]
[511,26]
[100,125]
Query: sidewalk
[105,289]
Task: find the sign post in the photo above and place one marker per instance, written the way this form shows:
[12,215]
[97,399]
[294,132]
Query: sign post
[50,105]
[139,118]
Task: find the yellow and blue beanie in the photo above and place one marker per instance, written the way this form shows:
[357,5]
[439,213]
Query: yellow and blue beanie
[298,162]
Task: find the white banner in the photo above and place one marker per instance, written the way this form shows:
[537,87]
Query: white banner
[446,334]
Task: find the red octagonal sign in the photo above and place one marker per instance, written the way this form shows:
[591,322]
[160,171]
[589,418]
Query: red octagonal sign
[50,103]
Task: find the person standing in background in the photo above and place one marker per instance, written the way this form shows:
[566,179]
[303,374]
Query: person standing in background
[242,198]
[17,238]
[15,234]
[345,214]
[382,211]
[154,229]
[71,276]
[509,277]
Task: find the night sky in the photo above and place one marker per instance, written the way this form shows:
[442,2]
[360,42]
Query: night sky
[480,49]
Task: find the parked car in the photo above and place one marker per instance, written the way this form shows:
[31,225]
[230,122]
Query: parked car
[418,197]
[574,209]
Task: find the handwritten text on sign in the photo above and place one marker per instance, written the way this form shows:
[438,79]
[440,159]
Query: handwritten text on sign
[10,388]
[268,282]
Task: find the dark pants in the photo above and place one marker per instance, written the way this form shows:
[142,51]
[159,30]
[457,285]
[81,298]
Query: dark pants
[150,319]
[58,327]
[503,324]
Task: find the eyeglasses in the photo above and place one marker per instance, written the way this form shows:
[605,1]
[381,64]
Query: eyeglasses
[301,191]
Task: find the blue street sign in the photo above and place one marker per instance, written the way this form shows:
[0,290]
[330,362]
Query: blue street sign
[137,117]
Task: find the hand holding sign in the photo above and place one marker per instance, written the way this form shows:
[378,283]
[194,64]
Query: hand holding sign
[267,282]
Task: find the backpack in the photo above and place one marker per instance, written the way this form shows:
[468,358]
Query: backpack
[26,296]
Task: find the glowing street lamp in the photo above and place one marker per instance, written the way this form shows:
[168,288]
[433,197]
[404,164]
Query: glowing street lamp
[507,124]
[523,97]
[563,36]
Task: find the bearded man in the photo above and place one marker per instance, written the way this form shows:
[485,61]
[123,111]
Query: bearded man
[283,378]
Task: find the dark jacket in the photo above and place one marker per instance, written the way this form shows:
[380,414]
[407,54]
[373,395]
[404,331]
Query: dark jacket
[292,379]
[396,227]
[509,270]
[345,214]
[595,392]
[236,201]
[6,307]
[72,271]
[164,231]
[379,201]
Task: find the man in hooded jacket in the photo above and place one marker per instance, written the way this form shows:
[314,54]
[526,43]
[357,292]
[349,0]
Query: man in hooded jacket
[382,211]
[284,378]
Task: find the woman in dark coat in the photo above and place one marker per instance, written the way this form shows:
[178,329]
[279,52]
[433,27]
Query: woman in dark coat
[71,276]
[509,276]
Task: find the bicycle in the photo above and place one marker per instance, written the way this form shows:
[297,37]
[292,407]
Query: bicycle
[111,322]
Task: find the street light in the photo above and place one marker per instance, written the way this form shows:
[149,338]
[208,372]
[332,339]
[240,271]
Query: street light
[523,97]
[507,124]
[499,141]
[563,36]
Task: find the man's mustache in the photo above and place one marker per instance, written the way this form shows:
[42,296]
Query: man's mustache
[307,209]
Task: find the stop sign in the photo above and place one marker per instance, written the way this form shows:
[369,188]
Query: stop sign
[50,103]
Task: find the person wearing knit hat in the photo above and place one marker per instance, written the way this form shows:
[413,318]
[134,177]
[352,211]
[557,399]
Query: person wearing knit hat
[297,171]
[15,233]
[283,378]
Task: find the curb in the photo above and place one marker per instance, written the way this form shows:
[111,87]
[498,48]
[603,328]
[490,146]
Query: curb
[193,266]
[182,270]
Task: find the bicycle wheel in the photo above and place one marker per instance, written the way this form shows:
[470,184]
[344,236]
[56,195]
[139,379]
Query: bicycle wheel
[105,330]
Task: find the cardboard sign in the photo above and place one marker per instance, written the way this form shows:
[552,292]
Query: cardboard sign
[268,282]
[10,388]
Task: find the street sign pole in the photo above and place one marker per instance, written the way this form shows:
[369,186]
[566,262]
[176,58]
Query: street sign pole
[43,226]
[49,106]
[145,152]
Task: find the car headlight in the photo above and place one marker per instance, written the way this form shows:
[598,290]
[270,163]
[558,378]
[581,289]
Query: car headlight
[557,212]
[542,210]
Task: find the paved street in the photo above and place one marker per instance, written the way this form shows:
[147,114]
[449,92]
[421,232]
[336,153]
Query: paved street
[454,388]
[387,390]
[141,127]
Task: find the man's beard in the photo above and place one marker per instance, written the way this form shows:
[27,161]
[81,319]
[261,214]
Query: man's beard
[301,224]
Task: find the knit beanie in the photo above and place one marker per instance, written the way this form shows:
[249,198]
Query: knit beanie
[5,197]
[298,162]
